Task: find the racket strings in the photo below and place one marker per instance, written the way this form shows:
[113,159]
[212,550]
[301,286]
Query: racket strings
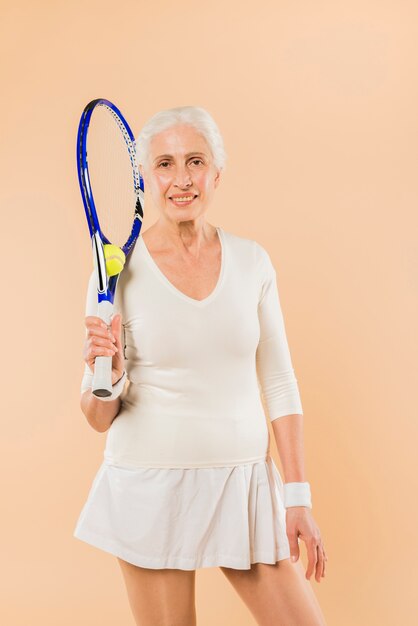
[113,174]
[130,146]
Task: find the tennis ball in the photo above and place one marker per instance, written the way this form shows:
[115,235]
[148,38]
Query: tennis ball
[115,259]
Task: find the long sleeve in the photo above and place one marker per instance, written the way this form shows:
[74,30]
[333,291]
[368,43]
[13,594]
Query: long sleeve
[275,372]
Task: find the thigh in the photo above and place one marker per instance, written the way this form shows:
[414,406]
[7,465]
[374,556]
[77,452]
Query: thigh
[277,595]
[160,597]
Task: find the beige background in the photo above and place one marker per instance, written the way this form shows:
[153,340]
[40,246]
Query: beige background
[318,106]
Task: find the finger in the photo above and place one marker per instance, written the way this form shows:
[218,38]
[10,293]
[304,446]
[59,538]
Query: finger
[99,330]
[94,320]
[118,319]
[96,352]
[116,327]
[105,340]
[102,342]
[320,564]
[101,336]
[325,560]
[98,327]
[311,547]
[100,350]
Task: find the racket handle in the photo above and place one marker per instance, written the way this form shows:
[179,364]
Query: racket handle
[102,377]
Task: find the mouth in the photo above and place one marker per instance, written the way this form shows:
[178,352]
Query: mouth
[183,200]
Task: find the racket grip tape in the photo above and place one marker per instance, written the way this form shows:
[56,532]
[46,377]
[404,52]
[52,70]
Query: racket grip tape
[102,377]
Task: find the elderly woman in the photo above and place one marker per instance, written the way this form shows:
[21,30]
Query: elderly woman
[187,480]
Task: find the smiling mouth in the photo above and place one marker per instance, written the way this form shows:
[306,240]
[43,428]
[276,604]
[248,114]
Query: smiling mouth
[183,199]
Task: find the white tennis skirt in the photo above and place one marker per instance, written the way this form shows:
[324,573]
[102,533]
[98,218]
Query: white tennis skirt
[189,518]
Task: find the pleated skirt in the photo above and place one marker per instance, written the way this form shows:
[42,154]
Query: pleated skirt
[190,518]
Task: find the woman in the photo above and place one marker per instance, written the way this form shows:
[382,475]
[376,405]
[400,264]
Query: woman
[187,480]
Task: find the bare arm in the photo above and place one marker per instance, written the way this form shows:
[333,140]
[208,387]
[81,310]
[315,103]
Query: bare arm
[288,433]
[99,414]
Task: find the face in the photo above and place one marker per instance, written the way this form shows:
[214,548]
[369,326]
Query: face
[180,165]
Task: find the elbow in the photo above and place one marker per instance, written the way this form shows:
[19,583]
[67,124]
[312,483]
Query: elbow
[98,419]
[100,426]
[90,419]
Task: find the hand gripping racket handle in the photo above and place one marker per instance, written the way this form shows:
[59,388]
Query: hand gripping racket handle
[102,377]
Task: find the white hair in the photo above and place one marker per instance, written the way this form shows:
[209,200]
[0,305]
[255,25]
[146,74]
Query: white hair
[195,116]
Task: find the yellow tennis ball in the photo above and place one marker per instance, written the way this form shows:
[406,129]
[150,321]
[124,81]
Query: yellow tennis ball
[115,259]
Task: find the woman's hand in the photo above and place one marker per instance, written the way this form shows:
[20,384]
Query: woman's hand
[300,523]
[104,341]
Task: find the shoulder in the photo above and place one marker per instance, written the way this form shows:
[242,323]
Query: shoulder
[249,250]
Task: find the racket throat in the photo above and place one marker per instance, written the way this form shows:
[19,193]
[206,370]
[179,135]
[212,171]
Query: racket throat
[99,263]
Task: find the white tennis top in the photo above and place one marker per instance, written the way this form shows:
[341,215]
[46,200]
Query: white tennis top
[199,369]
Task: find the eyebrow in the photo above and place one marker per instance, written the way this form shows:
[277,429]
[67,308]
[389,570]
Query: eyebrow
[169,156]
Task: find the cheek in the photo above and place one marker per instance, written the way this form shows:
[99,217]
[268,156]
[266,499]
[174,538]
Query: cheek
[205,182]
[160,183]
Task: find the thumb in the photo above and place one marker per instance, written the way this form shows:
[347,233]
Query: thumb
[116,325]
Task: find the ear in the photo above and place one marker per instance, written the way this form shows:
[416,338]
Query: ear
[217,177]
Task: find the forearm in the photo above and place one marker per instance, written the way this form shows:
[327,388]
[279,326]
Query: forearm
[288,433]
[99,414]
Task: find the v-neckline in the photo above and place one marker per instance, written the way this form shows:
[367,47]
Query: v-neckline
[177,291]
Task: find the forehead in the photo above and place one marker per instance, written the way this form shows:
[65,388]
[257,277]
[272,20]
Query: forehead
[178,140]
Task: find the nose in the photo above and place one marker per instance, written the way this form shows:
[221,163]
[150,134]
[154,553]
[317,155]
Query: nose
[182,178]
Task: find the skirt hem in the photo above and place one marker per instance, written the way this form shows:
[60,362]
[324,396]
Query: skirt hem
[184,563]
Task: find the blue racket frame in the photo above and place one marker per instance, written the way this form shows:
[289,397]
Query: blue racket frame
[106,285]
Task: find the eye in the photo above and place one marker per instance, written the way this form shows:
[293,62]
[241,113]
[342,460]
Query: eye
[195,160]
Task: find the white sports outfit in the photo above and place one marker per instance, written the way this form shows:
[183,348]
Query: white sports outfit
[187,480]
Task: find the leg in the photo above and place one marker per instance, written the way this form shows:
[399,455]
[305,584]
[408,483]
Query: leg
[277,595]
[160,597]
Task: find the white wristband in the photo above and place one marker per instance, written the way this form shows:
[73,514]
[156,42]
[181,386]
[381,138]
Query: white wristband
[297,494]
[117,389]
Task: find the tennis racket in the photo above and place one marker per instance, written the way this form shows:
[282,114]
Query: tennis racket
[113,197]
